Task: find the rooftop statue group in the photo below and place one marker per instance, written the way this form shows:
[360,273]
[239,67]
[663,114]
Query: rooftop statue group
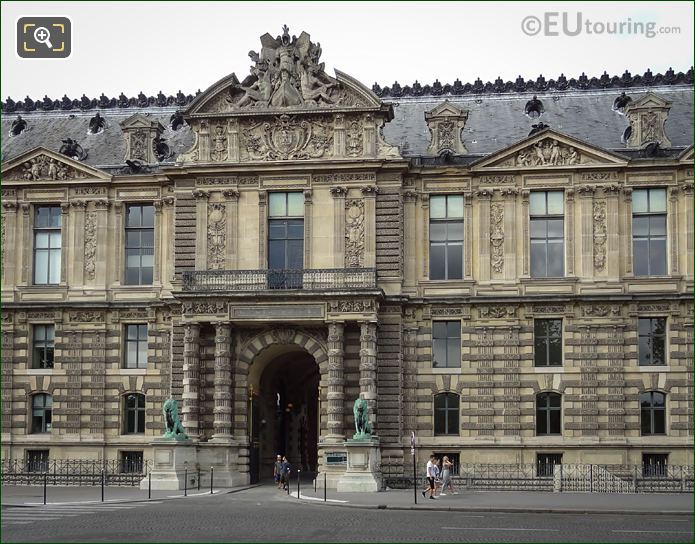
[286,73]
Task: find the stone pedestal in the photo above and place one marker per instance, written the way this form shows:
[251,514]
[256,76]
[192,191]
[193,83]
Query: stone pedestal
[171,457]
[363,462]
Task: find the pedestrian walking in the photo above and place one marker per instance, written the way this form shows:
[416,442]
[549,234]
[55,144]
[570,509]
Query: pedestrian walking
[277,470]
[437,477]
[447,467]
[429,475]
[286,470]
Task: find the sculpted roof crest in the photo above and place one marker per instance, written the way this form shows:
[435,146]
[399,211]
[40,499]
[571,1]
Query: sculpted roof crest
[286,75]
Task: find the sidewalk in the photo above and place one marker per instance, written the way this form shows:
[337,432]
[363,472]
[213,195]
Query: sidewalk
[32,495]
[510,501]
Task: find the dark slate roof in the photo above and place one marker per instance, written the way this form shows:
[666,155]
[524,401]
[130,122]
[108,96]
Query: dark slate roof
[104,150]
[497,121]
[579,107]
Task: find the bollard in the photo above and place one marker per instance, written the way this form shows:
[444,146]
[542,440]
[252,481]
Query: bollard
[198,478]
[298,473]
[185,482]
[415,477]
[102,485]
[324,486]
[212,471]
[45,483]
[315,479]
[149,485]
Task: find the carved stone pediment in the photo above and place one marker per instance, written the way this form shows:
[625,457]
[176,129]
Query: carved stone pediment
[40,164]
[288,108]
[549,149]
[647,117]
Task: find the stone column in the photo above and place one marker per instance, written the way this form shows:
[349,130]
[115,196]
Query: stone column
[223,382]
[308,237]
[467,235]
[369,192]
[159,249]
[426,235]
[569,232]
[24,249]
[9,243]
[368,369]
[484,198]
[613,249]
[191,378]
[674,230]
[627,229]
[76,271]
[687,205]
[335,396]
[66,245]
[102,257]
[525,256]
[586,233]
[231,255]
[201,222]
[338,194]
[410,228]
[509,231]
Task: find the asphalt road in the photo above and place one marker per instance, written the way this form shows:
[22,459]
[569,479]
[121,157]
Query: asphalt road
[263,514]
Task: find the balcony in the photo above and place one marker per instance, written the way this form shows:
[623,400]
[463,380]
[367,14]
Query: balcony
[325,279]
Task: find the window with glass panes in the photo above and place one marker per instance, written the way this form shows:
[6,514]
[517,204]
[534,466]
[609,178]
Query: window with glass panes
[44,342]
[652,413]
[446,344]
[47,245]
[547,342]
[652,340]
[286,231]
[547,232]
[139,244]
[446,413]
[548,410]
[134,413]
[136,346]
[649,232]
[446,237]
[41,413]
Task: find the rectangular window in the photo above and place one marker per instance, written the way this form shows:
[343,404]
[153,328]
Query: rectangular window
[446,237]
[652,340]
[547,341]
[446,414]
[545,464]
[132,462]
[139,245]
[547,232]
[654,465]
[649,232]
[37,461]
[44,342]
[136,346]
[285,240]
[47,245]
[446,344]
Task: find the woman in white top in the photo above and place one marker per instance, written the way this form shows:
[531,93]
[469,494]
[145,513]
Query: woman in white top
[447,466]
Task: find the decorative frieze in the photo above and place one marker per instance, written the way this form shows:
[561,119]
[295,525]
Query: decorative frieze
[599,216]
[352,306]
[217,235]
[90,245]
[344,177]
[496,312]
[354,233]
[212,307]
[86,316]
[601,310]
[497,237]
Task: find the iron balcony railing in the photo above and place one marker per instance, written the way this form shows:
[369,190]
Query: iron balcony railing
[321,279]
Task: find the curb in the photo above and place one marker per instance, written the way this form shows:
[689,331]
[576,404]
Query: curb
[223,491]
[505,510]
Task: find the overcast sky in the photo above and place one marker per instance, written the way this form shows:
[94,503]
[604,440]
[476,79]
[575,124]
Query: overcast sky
[153,46]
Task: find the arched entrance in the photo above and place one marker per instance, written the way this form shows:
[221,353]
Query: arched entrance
[284,409]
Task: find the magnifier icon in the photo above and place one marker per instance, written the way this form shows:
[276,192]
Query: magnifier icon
[42,35]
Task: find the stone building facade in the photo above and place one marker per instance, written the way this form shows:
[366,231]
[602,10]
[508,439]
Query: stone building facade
[504,269]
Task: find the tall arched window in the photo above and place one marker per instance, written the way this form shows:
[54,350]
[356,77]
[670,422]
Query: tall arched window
[652,412]
[548,413]
[446,413]
[41,413]
[134,413]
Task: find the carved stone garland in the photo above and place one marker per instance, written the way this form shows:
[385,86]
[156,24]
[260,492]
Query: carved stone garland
[354,233]
[90,245]
[599,215]
[497,237]
[217,235]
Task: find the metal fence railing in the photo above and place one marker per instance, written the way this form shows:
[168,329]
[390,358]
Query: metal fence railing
[560,477]
[73,472]
[261,280]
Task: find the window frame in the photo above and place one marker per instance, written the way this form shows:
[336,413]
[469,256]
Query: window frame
[46,417]
[287,221]
[649,238]
[448,243]
[546,217]
[651,336]
[547,410]
[547,337]
[140,247]
[50,251]
[127,341]
[36,360]
[651,411]
[137,411]
[455,411]
[448,324]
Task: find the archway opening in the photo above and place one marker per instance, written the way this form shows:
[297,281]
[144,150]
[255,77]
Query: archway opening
[285,411]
